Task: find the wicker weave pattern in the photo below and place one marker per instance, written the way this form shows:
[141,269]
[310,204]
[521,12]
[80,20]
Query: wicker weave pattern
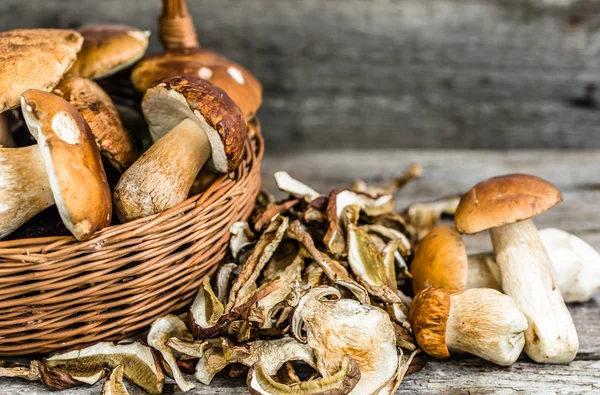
[57,293]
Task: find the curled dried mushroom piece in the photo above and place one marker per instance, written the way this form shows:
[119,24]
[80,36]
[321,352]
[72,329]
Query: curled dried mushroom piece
[114,383]
[140,365]
[340,383]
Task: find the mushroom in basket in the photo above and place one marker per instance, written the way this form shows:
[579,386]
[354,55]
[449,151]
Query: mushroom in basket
[185,57]
[192,123]
[64,168]
[505,205]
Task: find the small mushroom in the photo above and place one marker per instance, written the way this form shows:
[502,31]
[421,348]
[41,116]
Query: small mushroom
[107,49]
[184,57]
[34,59]
[193,123]
[99,111]
[288,184]
[576,266]
[481,321]
[505,206]
[161,331]
[114,383]
[340,383]
[73,164]
[362,332]
[140,365]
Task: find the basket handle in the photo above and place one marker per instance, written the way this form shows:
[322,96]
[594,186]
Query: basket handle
[176,27]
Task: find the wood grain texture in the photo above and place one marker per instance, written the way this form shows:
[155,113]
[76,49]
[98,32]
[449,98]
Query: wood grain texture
[392,73]
[576,173]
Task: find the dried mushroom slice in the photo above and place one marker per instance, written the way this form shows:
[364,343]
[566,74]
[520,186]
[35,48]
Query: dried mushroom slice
[161,331]
[413,171]
[339,199]
[272,212]
[287,183]
[206,308]
[114,383]
[223,281]
[36,371]
[333,269]
[364,333]
[241,237]
[425,216]
[263,251]
[192,349]
[341,383]
[368,266]
[140,365]
[209,365]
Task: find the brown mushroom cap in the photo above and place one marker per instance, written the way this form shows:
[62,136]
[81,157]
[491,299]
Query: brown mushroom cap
[504,200]
[440,261]
[100,113]
[428,317]
[34,59]
[239,83]
[107,49]
[73,163]
[170,101]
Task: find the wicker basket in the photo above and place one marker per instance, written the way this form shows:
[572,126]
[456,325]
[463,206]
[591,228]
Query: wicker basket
[56,292]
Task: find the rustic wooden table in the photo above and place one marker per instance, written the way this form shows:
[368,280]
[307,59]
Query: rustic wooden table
[576,173]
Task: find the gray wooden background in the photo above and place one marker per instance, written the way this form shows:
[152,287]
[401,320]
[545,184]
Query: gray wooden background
[376,74]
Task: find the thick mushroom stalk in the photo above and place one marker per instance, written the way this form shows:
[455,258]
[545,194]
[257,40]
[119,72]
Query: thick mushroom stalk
[576,266]
[193,123]
[525,264]
[482,322]
[505,206]
[24,187]
[486,323]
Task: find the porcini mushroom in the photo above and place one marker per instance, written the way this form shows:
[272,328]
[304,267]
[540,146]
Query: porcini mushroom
[100,113]
[107,49]
[24,187]
[481,321]
[72,161]
[193,123]
[184,57]
[34,59]
[505,205]
[440,261]
[576,266]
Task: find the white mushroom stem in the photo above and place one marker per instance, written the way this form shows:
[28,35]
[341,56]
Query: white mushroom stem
[486,323]
[528,278]
[576,266]
[24,187]
[163,176]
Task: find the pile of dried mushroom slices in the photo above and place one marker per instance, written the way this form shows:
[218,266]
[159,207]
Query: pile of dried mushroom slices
[317,283]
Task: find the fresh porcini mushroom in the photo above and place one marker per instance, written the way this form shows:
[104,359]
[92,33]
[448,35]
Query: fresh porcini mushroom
[24,187]
[107,49]
[505,205]
[340,383]
[193,123]
[161,331]
[114,383]
[185,58]
[481,321]
[440,261]
[576,266]
[34,59]
[140,365]
[287,183]
[73,164]
[344,327]
[99,111]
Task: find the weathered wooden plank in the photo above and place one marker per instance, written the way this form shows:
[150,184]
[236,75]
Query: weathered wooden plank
[383,73]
